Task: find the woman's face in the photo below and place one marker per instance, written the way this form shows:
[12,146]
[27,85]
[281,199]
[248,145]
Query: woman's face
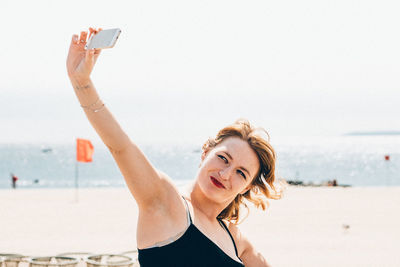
[227,170]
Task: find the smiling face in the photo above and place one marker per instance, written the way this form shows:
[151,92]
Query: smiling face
[227,170]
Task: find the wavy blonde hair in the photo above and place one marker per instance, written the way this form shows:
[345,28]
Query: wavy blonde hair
[262,185]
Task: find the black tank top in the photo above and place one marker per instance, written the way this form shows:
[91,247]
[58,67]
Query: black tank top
[192,249]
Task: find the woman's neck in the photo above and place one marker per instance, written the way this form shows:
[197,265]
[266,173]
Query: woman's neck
[210,209]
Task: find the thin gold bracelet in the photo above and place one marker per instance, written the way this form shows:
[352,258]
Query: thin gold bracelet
[91,105]
[99,109]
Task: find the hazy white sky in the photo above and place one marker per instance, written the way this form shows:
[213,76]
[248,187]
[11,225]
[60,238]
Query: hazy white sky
[182,69]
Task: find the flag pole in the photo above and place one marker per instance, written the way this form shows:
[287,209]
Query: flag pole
[84,152]
[76,182]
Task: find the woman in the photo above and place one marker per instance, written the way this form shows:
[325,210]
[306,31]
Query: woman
[200,228]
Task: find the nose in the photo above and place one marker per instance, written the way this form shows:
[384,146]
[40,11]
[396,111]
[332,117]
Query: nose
[225,173]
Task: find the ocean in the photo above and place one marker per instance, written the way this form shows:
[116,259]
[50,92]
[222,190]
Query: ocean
[351,160]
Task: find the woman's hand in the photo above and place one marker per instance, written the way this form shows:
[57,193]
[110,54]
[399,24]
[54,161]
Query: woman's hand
[80,62]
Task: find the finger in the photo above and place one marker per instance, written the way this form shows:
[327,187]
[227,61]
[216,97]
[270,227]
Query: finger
[74,39]
[89,56]
[83,37]
[91,31]
[96,54]
[97,31]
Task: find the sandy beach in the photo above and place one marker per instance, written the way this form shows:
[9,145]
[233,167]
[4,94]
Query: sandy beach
[322,226]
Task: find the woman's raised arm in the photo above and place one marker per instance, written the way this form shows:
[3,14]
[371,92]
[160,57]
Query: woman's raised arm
[146,184]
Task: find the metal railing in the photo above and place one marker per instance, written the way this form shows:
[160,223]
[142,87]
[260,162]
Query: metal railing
[72,259]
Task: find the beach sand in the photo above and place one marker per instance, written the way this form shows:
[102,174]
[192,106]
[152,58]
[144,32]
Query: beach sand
[321,226]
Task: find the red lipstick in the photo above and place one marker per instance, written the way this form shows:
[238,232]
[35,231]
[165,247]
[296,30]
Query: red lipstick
[216,182]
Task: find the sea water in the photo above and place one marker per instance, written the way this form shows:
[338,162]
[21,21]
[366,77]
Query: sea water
[351,160]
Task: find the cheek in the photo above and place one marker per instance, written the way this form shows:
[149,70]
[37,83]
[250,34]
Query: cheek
[203,172]
[239,184]
[211,164]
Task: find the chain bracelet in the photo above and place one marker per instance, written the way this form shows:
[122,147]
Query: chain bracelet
[91,106]
[99,109]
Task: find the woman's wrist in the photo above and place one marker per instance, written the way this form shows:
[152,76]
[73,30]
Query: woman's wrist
[80,83]
[83,88]
[86,93]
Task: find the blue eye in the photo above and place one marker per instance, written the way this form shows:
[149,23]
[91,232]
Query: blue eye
[223,158]
[241,173]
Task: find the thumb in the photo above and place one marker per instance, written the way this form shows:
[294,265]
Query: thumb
[89,57]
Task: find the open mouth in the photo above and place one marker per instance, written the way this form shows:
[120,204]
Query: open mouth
[216,183]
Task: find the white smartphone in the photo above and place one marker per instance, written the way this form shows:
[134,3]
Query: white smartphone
[103,39]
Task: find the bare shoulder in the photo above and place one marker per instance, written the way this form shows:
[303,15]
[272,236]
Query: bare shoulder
[247,252]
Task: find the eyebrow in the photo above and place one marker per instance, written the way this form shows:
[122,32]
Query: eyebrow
[243,168]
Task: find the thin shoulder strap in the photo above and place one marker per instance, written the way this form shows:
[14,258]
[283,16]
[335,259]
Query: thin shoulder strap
[233,241]
[189,218]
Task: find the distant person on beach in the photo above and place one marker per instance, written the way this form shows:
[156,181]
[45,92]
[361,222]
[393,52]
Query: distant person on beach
[200,228]
[14,180]
[332,183]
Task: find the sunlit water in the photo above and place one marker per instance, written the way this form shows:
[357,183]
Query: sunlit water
[351,160]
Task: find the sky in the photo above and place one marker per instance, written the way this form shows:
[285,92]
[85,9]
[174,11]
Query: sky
[183,69]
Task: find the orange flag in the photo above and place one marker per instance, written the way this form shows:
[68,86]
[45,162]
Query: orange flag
[84,150]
